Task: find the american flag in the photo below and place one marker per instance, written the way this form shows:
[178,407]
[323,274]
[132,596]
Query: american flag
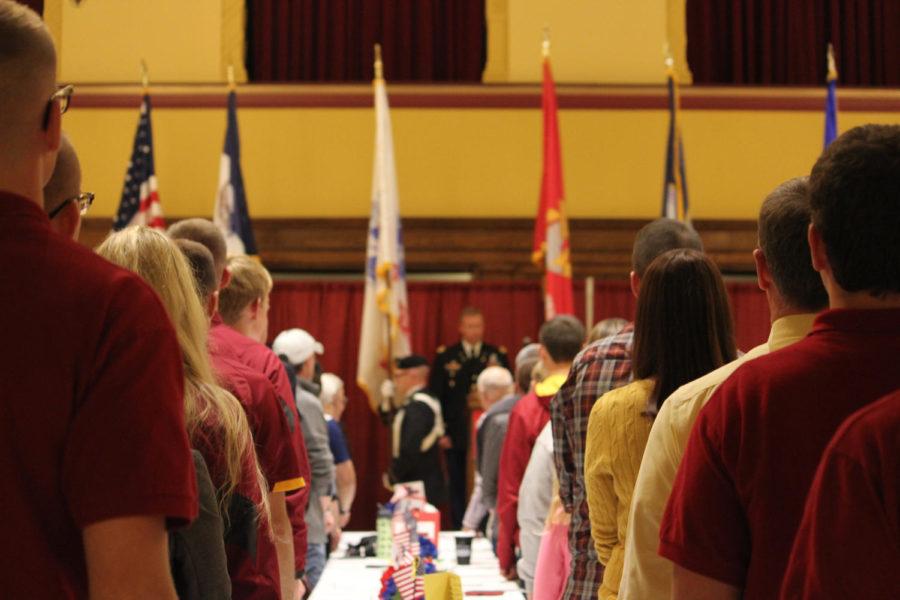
[140,201]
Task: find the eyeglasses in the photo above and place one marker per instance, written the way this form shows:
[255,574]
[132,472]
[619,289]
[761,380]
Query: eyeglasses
[64,96]
[83,200]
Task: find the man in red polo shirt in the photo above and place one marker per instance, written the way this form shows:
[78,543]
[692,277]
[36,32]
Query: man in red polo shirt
[561,340]
[740,491]
[94,456]
[848,545]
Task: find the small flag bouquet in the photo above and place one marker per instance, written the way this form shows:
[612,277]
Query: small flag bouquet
[413,555]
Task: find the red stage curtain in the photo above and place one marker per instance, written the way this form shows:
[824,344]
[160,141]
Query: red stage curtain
[332,312]
[766,42]
[332,40]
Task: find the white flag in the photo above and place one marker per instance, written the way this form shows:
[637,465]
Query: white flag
[385,322]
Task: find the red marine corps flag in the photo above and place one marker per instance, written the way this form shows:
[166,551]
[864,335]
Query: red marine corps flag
[551,229]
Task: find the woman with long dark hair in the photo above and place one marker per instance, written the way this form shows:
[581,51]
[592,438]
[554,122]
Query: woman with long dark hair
[682,331]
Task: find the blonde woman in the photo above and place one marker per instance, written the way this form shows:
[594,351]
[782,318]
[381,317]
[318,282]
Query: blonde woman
[216,423]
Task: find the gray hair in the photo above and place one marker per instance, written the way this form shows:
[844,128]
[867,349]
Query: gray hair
[331,385]
[495,379]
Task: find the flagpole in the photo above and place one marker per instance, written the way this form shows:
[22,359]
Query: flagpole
[145,77]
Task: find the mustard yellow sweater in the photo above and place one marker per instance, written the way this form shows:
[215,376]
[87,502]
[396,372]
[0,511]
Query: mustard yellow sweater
[616,437]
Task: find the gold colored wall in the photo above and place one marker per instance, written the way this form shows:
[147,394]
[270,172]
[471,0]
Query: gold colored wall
[456,162]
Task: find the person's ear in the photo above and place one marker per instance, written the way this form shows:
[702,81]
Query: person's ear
[212,304]
[255,308]
[226,278]
[635,281]
[763,276]
[817,249]
[53,133]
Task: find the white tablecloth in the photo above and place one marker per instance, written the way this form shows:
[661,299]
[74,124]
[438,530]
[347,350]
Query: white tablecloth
[360,578]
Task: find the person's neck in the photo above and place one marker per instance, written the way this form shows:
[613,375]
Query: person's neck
[244,328]
[23,181]
[862,300]
[558,369]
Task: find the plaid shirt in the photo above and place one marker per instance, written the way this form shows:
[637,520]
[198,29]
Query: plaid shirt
[599,368]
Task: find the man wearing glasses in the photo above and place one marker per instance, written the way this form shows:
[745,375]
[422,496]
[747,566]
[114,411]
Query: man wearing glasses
[64,202]
[94,456]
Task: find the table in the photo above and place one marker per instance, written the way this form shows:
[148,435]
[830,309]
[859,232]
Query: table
[360,578]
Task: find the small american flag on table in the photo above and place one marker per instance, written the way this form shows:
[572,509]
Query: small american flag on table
[140,201]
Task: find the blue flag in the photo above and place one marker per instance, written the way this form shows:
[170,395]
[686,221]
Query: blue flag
[831,130]
[230,214]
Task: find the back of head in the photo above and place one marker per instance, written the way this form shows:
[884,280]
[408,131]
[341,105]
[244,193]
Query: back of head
[524,369]
[65,183]
[660,236]
[249,281]
[27,76]
[201,262]
[157,259]
[206,233]
[495,379]
[331,385]
[562,337]
[855,201]
[606,328]
[683,326]
[783,224]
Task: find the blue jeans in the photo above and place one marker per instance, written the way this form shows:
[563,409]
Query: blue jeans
[315,563]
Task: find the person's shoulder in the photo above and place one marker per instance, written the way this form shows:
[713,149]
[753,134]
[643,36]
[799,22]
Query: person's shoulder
[700,389]
[875,425]
[443,352]
[616,346]
[625,397]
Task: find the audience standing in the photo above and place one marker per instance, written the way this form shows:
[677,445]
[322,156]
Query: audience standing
[561,338]
[217,427]
[599,368]
[453,379]
[299,349]
[273,421]
[682,330]
[795,293]
[752,454]
[89,361]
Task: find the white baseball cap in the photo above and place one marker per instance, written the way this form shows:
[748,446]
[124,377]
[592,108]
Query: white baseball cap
[297,345]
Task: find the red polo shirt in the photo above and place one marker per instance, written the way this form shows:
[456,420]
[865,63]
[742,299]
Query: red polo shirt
[258,358]
[91,404]
[848,545]
[526,421]
[739,494]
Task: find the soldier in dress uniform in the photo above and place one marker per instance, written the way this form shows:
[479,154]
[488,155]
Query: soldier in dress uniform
[416,427]
[456,370]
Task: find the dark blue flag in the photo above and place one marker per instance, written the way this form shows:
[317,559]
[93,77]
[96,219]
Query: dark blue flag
[231,214]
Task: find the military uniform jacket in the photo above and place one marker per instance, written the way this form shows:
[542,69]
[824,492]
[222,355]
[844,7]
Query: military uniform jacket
[453,377]
[417,426]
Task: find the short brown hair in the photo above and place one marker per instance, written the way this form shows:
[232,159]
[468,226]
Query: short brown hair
[202,267]
[249,281]
[683,326]
[783,222]
[660,236]
[562,337]
[203,232]
[470,311]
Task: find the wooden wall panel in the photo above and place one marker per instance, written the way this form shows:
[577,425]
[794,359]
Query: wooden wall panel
[487,248]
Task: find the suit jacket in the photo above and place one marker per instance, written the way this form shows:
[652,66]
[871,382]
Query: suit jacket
[453,377]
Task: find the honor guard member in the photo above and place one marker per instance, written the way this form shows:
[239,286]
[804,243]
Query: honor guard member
[456,371]
[417,426]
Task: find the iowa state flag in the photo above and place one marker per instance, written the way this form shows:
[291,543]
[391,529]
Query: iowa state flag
[230,214]
[551,229]
[140,200]
[675,194]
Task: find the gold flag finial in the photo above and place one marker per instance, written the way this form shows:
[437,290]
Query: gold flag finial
[379,66]
[145,76]
[832,66]
[545,44]
[232,86]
